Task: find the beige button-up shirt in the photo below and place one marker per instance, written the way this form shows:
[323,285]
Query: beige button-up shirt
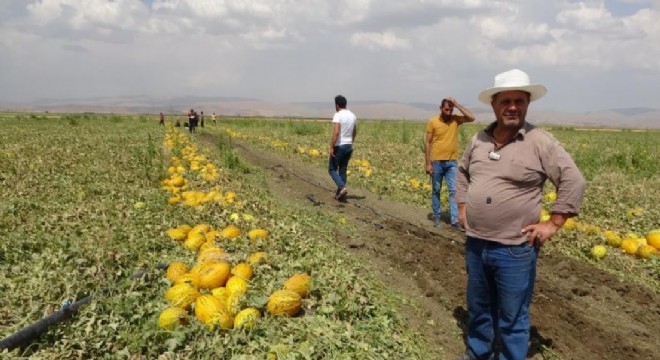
[503,191]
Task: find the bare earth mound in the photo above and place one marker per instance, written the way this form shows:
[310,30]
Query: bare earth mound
[578,312]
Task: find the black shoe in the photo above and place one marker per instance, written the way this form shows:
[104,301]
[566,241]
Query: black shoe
[341,196]
[458,227]
[437,223]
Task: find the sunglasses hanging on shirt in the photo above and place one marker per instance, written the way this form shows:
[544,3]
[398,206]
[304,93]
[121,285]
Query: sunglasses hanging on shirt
[494,156]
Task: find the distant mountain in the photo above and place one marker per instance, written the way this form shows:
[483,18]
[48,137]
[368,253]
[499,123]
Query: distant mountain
[631,111]
[386,110]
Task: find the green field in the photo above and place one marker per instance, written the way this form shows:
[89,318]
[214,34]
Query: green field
[82,208]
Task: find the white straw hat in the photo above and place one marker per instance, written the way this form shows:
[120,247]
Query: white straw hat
[512,80]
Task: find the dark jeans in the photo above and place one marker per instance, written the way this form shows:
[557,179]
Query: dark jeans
[338,165]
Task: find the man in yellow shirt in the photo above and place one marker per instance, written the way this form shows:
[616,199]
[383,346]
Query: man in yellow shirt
[441,151]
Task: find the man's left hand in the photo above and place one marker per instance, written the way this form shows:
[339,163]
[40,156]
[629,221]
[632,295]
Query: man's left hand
[543,230]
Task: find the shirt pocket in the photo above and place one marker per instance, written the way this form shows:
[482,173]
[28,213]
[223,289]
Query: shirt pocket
[523,173]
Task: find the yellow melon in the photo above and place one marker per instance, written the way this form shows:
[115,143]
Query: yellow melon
[550,196]
[257,258]
[181,295]
[178,181]
[206,245]
[221,319]
[219,292]
[172,317]
[598,251]
[206,305]
[213,274]
[177,234]
[570,224]
[284,302]
[194,241]
[230,232]
[211,235]
[646,251]
[200,229]
[211,254]
[641,241]
[630,245]
[236,285]
[235,217]
[242,270]
[545,215]
[175,270]
[189,278]
[613,238]
[197,268]
[589,229]
[222,295]
[653,238]
[255,234]
[185,228]
[298,283]
[247,318]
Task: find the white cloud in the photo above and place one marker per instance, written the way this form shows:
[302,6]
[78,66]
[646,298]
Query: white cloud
[374,41]
[505,31]
[274,49]
[587,16]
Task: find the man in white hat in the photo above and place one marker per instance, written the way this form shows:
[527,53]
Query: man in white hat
[499,189]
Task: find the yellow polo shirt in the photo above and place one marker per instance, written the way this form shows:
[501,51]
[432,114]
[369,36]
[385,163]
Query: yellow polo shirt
[444,140]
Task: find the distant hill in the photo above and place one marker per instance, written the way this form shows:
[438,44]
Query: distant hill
[387,110]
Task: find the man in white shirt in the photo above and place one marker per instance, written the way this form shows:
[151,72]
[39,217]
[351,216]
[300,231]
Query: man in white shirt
[341,145]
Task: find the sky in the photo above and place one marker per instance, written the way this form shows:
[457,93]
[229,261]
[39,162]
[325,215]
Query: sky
[591,55]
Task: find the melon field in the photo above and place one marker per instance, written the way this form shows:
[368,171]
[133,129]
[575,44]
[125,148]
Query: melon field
[228,244]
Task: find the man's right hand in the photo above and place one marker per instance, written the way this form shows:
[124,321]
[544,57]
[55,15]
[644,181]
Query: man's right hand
[429,169]
[462,215]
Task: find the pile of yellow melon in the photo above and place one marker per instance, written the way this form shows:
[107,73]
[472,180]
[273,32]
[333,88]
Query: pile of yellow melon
[214,290]
[631,244]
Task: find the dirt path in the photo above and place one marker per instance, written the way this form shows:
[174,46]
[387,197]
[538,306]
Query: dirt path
[578,312]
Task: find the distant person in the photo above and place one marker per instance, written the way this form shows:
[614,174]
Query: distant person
[441,153]
[162,119]
[344,130]
[195,121]
[213,118]
[178,123]
[192,115]
[201,118]
[499,189]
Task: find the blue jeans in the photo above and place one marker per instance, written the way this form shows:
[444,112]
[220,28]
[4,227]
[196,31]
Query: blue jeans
[444,169]
[338,165]
[499,291]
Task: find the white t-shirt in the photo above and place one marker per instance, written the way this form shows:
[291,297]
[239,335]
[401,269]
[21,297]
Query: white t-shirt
[346,120]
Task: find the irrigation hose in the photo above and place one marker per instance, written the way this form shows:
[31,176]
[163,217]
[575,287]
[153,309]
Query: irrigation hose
[68,310]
